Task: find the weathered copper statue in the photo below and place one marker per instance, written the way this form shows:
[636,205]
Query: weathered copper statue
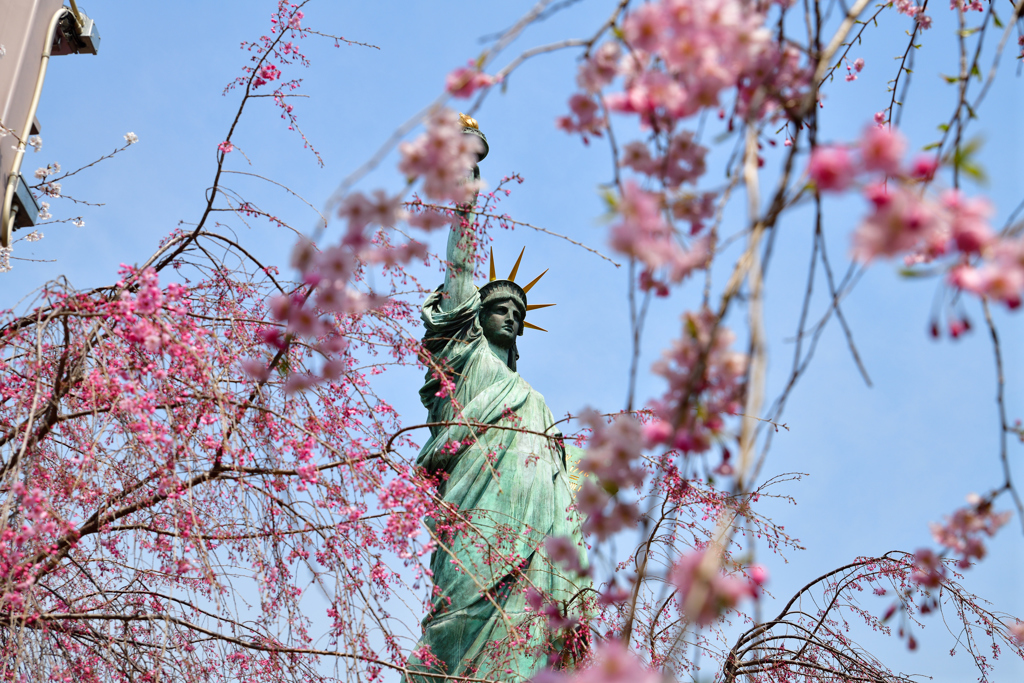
[503,466]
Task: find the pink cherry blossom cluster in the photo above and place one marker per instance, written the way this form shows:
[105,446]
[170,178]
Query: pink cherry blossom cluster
[311,312]
[965,5]
[706,47]
[612,663]
[716,590]
[963,531]
[854,69]
[553,612]
[415,497]
[429,216]
[683,162]
[613,459]
[19,543]
[266,74]
[139,307]
[643,233]
[929,569]
[586,117]
[441,157]
[680,56]
[695,209]
[879,151]
[465,81]
[915,12]
[565,553]
[962,534]
[1000,274]
[269,54]
[592,500]
[163,455]
[905,220]
[600,69]
[705,379]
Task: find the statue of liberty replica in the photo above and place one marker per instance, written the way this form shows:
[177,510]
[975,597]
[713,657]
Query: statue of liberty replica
[503,607]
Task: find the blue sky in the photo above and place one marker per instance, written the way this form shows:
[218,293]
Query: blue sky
[882,462]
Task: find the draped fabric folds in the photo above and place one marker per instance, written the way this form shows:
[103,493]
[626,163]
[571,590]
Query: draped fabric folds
[503,471]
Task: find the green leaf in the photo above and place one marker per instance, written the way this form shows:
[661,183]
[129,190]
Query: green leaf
[932,145]
[944,127]
[995,18]
[975,172]
[910,272]
[964,160]
[950,79]
[611,200]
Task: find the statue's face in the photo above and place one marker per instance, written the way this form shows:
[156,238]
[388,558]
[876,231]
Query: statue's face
[501,322]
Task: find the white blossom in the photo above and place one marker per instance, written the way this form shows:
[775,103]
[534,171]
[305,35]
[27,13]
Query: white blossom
[5,259]
[78,222]
[34,236]
[44,211]
[52,189]
[131,138]
[36,142]
[43,171]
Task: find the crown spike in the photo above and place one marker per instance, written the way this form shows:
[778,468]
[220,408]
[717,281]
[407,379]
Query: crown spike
[533,327]
[533,307]
[493,276]
[515,268]
[526,288]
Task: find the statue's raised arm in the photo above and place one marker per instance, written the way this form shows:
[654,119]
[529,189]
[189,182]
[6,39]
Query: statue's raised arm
[458,277]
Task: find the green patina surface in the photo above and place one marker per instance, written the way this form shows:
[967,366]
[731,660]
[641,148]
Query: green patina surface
[511,482]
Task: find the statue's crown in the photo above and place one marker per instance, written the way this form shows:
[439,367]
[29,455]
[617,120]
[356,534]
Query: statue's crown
[508,289]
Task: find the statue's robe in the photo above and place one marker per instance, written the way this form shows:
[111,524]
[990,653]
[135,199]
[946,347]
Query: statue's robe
[513,486]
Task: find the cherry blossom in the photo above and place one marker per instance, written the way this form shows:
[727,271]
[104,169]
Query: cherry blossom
[642,233]
[706,591]
[1001,277]
[882,149]
[600,69]
[929,570]
[564,552]
[831,168]
[467,80]
[900,221]
[1017,629]
[705,382]
[441,157]
[962,533]
[612,663]
[968,218]
[586,118]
